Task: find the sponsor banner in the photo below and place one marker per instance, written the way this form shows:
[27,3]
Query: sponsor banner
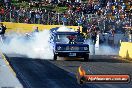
[82,77]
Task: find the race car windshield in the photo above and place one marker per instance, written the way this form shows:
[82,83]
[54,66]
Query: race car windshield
[62,38]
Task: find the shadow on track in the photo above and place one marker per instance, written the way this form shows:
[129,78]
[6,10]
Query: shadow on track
[99,58]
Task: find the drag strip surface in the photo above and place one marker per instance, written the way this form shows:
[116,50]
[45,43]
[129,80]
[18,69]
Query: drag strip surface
[36,73]
[39,73]
[99,65]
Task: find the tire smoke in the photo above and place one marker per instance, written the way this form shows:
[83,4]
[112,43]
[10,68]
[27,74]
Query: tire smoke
[35,45]
[102,49]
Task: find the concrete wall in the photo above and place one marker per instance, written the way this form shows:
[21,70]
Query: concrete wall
[23,27]
[126,50]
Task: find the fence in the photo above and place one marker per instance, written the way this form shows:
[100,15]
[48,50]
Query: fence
[52,18]
[41,17]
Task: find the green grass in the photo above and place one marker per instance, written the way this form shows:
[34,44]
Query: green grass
[60,9]
[23,4]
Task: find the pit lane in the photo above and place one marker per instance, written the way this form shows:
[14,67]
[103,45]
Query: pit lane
[40,73]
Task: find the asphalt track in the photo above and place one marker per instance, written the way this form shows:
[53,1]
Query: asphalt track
[40,73]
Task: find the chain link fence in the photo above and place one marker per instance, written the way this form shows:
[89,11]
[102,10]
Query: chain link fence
[53,18]
[41,17]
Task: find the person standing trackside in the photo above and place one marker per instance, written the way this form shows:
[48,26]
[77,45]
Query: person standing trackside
[36,30]
[2,30]
[78,31]
[93,34]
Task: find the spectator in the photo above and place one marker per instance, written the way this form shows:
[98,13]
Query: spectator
[93,34]
[0,18]
[78,30]
[2,12]
[32,14]
[2,30]
[7,3]
[37,17]
[112,32]
[110,13]
[36,29]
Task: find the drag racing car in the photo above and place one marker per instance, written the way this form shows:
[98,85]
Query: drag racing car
[68,44]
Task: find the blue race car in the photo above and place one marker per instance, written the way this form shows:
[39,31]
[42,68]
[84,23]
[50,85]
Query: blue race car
[69,44]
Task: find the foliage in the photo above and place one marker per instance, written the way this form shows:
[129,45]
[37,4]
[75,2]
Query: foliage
[23,4]
[60,9]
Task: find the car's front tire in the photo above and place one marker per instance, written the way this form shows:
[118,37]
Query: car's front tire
[55,57]
[86,57]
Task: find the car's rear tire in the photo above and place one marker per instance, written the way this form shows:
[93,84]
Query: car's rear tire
[86,57]
[55,57]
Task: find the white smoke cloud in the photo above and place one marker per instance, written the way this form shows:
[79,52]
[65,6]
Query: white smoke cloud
[36,47]
[106,50]
[65,29]
[39,47]
[103,49]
